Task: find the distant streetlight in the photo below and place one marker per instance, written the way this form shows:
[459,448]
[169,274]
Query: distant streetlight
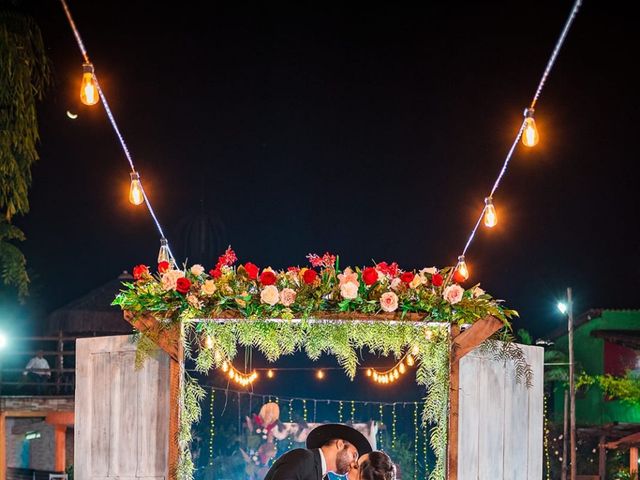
[562,307]
[3,340]
[567,308]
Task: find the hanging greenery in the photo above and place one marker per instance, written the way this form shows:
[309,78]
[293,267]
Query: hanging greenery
[626,388]
[250,299]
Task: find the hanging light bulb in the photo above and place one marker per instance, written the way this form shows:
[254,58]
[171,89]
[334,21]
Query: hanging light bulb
[270,373]
[225,366]
[530,135]
[369,372]
[88,88]
[410,360]
[490,217]
[163,254]
[135,192]
[376,377]
[402,368]
[461,268]
[320,374]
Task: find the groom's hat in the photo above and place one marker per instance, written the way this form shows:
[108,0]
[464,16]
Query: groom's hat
[319,436]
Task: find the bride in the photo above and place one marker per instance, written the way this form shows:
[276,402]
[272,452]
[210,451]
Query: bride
[373,466]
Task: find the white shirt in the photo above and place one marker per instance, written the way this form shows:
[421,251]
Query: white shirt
[39,365]
[323,462]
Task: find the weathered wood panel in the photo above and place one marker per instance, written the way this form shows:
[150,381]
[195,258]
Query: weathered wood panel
[121,429]
[501,421]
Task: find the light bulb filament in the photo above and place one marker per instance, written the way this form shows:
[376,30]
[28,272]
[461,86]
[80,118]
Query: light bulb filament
[490,217]
[530,135]
[136,195]
[88,88]
[461,268]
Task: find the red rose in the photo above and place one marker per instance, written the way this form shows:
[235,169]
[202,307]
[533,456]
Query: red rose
[406,277]
[267,277]
[163,266]
[251,270]
[370,275]
[183,285]
[437,279]
[309,276]
[215,272]
[139,271]
[458,277]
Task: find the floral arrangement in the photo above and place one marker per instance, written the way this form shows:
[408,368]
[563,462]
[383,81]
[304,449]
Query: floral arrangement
[260,293]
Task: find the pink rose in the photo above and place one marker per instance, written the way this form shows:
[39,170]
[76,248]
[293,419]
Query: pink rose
[349,276]
[287,296]
[389,302]
[395,283]
[349,290]
[170,278]
[197,269]
[453,294]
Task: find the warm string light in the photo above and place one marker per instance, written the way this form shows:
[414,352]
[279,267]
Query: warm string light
[393,427]
[136,196]
[164,255]
[425,444]
[242,379]
[88,88]
[391,375]
[353,412]
[320,374]
[461,272]
[290,421]
[380,426]
[546,440]
[528,133]
[270,373]
[304,410]
[340,412]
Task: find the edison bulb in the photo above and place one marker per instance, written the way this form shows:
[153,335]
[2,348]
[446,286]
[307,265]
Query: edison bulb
[320,374]
[135,191]
[530,134]
[369,372]
[490,217]
[402,368]
[410,360]
[270,373]
[461,268]
[88,88]
[163,254]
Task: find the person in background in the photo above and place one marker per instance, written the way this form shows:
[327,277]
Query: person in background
[38,371]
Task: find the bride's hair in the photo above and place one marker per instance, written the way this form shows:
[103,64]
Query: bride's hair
[378,466]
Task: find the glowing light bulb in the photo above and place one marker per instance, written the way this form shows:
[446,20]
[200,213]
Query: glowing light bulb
[530,134]
[88,88]
[375,376]
[217,356]
[320,375]
[232,374]
[402,368]
[270,373]
[135,191]
[396,374]
[428,334]
[410,360]
[163,254]
[369,372]
[225,366]
[208,342]
[490,217]
[461,268]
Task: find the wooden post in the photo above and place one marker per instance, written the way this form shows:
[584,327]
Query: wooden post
[633,460]
[565,435]
[602,457]
[59,435]
[454,408]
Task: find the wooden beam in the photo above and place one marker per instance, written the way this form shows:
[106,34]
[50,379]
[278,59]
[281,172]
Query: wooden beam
[167,338]
[175,386]
[633,461]
[474,336]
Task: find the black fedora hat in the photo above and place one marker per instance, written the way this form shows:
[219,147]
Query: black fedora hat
[319,436]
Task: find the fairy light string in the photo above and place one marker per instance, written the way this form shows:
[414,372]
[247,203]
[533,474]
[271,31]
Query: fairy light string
[415,441]
[211,424]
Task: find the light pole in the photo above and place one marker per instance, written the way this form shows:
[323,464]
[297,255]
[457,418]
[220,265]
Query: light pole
[567,308]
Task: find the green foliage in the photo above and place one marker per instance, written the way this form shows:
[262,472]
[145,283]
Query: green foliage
[626,389]
[524,336]
[24,76]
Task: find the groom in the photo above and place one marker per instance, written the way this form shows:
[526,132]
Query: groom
[330,448]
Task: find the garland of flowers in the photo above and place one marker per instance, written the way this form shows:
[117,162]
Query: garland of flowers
[185,297]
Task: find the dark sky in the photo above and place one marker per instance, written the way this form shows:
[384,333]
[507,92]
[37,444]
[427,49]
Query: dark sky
[370,131]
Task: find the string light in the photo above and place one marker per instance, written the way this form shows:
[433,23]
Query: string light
[320,374]
[393,427]
[415,441]
[211,431]
[394,373]
[136,195]
[546,440]
[88,88]
[270,373]
[380,427]
[208,341]
[340,412]
[425,443]
[530,135]
[290,421]
[527,131]
[353,412]
[490,217]
[304,410]
[242,379]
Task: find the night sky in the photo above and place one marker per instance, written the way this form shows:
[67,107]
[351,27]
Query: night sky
[373,132]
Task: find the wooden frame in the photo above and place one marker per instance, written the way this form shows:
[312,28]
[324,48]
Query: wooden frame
[169,340]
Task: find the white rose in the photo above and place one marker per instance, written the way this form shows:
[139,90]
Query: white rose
[349,290]
[389,302]
[208,287]
[197,269]
[430,270]
[395,283]
[287,296]
[169,279]
[270,295]
[453,294]
[477,291]
[417,281]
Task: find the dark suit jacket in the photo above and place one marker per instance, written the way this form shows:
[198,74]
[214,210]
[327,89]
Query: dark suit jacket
[298,464]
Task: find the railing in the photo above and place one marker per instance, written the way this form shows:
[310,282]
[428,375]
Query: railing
[59,351]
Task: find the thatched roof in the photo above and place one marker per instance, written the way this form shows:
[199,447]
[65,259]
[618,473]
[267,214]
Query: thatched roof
[92,314]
